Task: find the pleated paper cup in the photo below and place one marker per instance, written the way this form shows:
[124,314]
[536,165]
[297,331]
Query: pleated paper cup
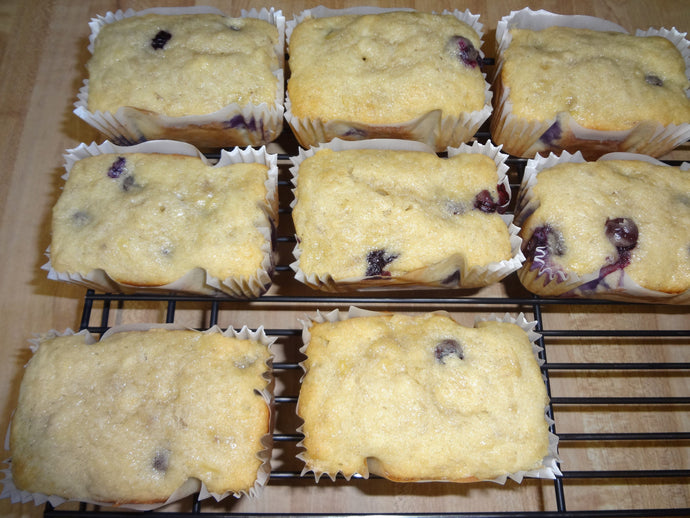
[527,138]
[232,125]
[432,128]
[197,280]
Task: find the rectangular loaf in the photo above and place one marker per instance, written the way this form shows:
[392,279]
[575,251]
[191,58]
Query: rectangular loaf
[136,416]
[421,398]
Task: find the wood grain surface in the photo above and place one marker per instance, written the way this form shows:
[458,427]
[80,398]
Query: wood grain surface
[44,50]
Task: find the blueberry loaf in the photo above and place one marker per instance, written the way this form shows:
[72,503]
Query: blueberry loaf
[150,220]
[379,217]
[373,75]
[187,65]
[182,65]
[604,82]
[606,228]
[421,398]
[134,417]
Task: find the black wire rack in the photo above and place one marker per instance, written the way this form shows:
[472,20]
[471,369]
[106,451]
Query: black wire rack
[601,488]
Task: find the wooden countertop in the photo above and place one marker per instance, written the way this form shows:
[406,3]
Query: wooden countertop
[44,51]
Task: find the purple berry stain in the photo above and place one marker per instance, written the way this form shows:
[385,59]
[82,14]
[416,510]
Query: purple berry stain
[503,198]
[117,168]
[447,348]
[377,260]
[452,279]
[239,122]
[552,134]
[356,133]
[545,237]
[465,51]
[623,234]
[160,39]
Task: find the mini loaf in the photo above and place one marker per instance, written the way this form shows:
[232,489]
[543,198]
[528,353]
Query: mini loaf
[148,220]
[181,65]
[376,216]
[603,228]
[421,398]
[187,74]
[135,417]
[597,91]
[377,75]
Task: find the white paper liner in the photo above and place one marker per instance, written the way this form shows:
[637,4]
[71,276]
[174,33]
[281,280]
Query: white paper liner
[550,464]
[433,275]
[196,281]
[431,128]
[541,278]
[521,137]
[192,485]
[256,125]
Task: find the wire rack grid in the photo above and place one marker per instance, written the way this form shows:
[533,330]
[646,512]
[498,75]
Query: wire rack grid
[618,437]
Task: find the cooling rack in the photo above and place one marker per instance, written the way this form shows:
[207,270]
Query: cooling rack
[628,436]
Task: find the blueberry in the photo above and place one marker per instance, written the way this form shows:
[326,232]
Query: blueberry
[463,49]
[654,80]
[160,39]
[81,218]
[161,460]
[545,237]
[447,348]
[117,168]
[485,202]
[622,232]
[377,261]
[127,182]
